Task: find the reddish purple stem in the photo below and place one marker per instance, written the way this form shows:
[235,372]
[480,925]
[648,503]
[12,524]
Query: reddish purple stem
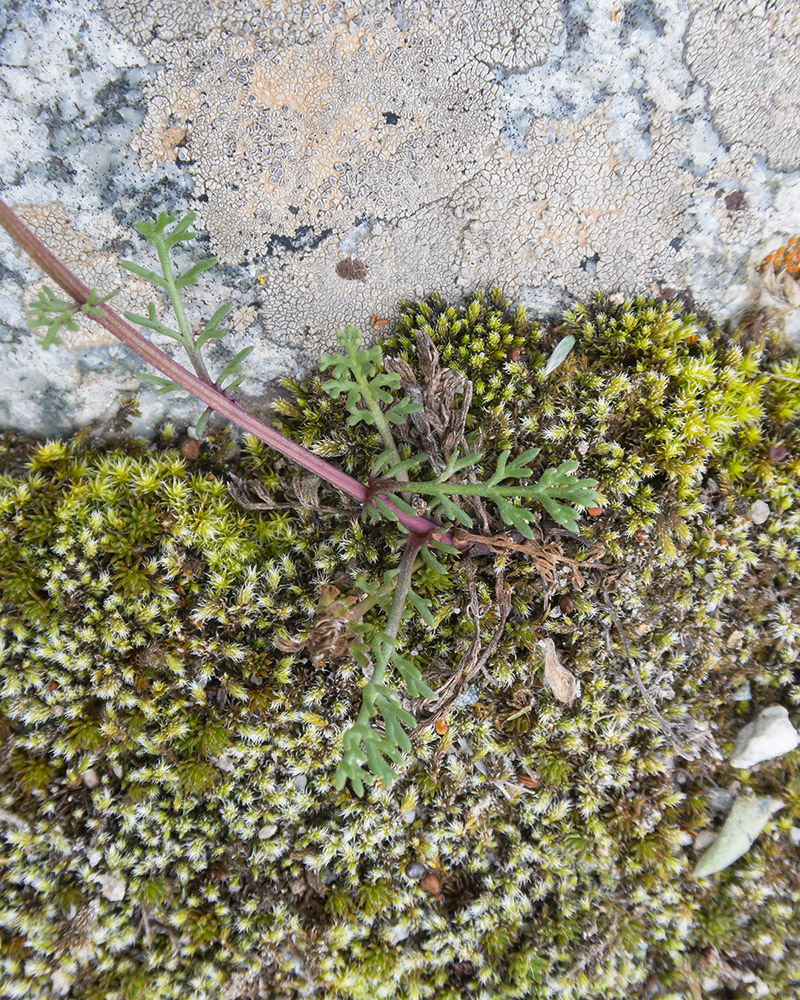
[208,394]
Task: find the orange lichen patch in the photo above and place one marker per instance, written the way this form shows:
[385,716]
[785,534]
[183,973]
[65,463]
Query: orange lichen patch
[785,258]
[171,140]
[780,273]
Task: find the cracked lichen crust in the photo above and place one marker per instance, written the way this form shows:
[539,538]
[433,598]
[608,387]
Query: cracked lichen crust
[746,54]
[168,818]
[365,119]
[577,199]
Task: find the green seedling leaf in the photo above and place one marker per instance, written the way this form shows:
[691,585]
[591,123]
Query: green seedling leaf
[92,303]
[190,277]
[383,460]
[384,509]
[200,426]
[559,355]
[211,330]
[409,463]
[422,606]
[167,385]
[152,322]
[518,517]
[452,510]
[50,311]
[409,671]
[443,547]
[143,272]
[457,464]
[401,504]
[433,562]
[232,366]
[180,231]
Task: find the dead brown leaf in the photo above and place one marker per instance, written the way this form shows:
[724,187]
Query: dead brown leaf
[564,686]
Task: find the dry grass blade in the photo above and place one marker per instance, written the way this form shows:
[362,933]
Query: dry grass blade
[475,658]
[440,423]
[561,682]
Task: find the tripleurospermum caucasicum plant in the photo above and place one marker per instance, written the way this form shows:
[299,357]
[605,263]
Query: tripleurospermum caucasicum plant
[373,396]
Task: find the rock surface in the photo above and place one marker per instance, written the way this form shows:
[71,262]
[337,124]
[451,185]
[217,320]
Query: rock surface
[557,149]
[769,735]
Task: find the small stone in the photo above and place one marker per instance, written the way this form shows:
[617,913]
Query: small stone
[415,870]
[794,835]
[734,640]
[117,769]
[759,512]
[409,816]
[769,735]
[267,831]
[113,888]
[90,778]
[224,763]
[742,693]
[431,884]
[94,858]
[704,839]
[300,782]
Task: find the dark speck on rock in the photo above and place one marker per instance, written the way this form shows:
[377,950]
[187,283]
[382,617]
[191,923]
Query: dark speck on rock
[351,269]
[735,201]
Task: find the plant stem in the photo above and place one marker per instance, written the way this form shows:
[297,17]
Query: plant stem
[413,544]
[177,307]
[377,413]
[208,394]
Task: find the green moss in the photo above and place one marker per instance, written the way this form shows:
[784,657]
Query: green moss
[158,740]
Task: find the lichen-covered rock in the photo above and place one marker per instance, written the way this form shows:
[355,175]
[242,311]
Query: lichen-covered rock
[728,45]
[144,630]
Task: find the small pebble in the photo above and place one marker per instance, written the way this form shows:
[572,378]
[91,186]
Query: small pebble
[735,639]
[409,816]
[90,778]
[704,839]
[190,449]
[267,831]
[112,888]
[415,870]
[431,884]
[224,763]
[759,512]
